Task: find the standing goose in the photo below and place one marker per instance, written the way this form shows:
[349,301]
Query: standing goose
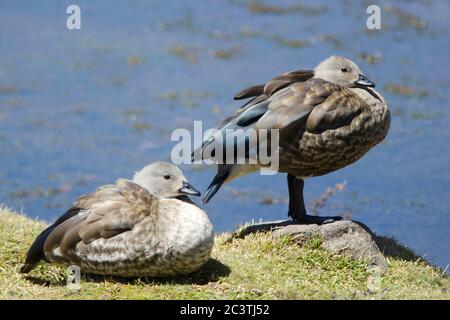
[327,118]
[144,227]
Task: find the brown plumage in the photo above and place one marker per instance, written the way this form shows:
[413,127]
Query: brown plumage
[275,84]
[327,119]
[109,211]
[131,228]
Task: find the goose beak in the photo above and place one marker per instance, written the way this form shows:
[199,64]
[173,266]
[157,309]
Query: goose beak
[364,82]
[189,189]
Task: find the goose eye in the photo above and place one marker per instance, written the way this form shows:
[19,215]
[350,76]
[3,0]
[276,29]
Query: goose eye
[167,176]
[344,69]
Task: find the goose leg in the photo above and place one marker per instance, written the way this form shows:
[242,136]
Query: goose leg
[297,210]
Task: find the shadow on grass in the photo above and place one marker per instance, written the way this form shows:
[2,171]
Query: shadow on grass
[212,271]
[391,247]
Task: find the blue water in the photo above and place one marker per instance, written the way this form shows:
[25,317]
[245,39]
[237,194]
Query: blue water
[81,108]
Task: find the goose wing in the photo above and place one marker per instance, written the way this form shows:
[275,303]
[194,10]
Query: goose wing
[275,84]
[257,106]
[105,213]
[261,93]
[313,106]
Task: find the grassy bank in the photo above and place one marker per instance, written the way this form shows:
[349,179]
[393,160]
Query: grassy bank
[256,267]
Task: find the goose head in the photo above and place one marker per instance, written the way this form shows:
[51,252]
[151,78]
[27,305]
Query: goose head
[343,72]
[164,180]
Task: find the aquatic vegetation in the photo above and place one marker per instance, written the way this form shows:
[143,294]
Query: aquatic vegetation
[337,44]
[134,113]
[290,43]
[7,89]
[259,7]
[141,125]
[405,90]
[187,53]
[187,98]
[225,54]
[371,58]
[321,200]
[405,19]
[247,32]
[134,60]
[418,115]
[40,192]
[219,35]
[185,23]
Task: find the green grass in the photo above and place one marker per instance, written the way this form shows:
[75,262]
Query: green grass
[254,267]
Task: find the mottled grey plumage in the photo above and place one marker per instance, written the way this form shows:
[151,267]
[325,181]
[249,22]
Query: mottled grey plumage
[144,227]
[327,118]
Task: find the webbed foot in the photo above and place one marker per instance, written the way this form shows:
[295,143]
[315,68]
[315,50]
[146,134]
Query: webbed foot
[308,219]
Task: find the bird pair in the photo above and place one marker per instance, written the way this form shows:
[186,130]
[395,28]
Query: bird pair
[327,118]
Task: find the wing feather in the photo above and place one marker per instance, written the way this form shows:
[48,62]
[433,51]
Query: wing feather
[275,84]
[105,213]
[293,105]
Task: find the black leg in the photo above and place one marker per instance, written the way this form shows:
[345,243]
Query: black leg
[297,210]
[296,202]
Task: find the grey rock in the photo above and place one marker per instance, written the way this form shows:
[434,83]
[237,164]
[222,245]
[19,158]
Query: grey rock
[345,237]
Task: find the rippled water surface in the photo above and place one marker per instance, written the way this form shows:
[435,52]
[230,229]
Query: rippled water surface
[81,108]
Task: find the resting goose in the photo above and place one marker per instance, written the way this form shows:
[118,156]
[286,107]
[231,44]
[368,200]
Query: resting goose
[327,118]
[144,227]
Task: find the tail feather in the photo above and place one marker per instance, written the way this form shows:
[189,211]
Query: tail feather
[222,174]
[36,252]
[27,267]
[211,191]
